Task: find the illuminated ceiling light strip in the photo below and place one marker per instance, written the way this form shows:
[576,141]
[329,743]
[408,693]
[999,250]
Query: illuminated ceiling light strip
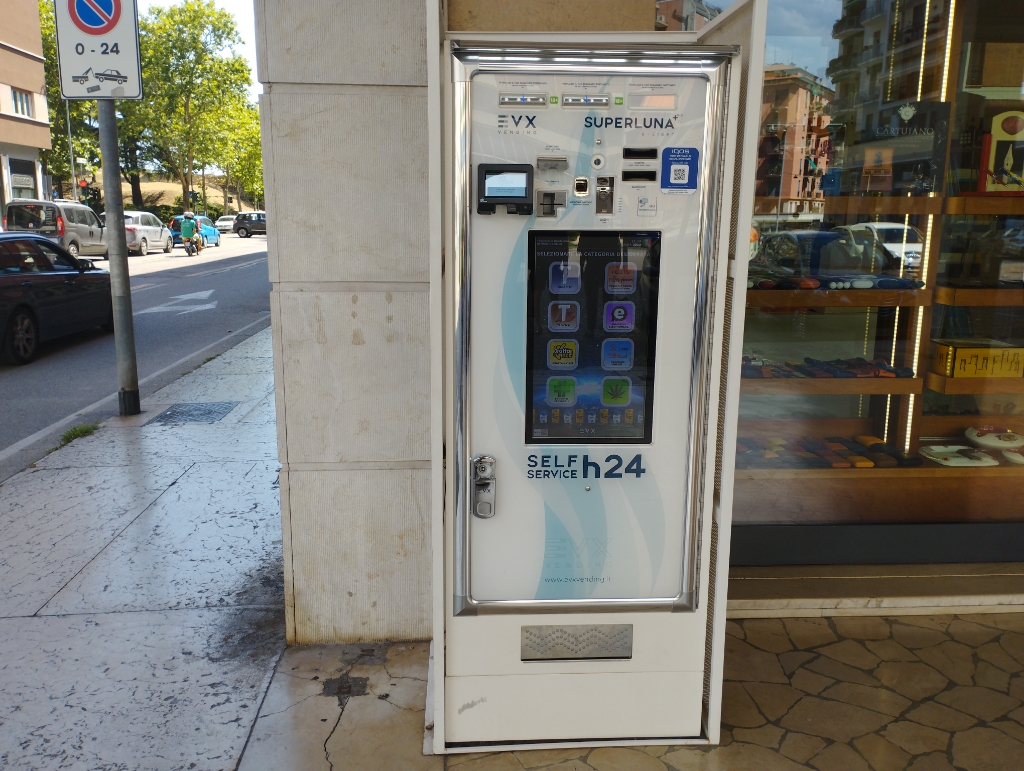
[949,48]
[924,48]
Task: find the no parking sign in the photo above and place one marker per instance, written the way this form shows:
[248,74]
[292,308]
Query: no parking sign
[98,49]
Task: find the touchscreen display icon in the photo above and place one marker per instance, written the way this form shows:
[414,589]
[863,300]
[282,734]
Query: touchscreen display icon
[564,277]
[561,391]
[615,392]
[618,316]
[563,354]
[620,278]
[617,354]
[563,316]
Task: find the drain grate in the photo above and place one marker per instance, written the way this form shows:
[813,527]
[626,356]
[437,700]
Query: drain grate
[194,412]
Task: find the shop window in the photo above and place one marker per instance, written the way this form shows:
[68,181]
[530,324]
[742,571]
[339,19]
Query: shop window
[23,178]
[883,369]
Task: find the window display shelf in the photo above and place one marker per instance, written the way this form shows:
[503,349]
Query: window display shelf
[877,204]
[829,386]
[973,385]
[984,204]
[949,295]
[930,470]
[838,298]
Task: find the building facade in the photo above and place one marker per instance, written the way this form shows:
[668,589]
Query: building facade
[24,120]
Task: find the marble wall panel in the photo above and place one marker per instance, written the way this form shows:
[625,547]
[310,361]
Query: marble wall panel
[361,554]
[349,195]
[356,372]
[324,41]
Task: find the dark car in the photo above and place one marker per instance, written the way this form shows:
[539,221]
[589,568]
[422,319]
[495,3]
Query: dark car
[249,222]
[827,253]
[46,293]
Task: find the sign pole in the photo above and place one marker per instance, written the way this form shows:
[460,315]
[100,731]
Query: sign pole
[71,152]
[99,56]
[117,246]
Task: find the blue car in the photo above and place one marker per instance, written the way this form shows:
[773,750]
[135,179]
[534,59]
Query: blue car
[207,230]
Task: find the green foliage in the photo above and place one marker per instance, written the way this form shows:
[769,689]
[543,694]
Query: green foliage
[245,156]
[85,134]
[195,85]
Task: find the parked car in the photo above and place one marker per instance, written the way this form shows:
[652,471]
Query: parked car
[46,293]
[225,224]
[74,226]
[144,231]
[207,230]
[904,241]
[249,222]
[811,253]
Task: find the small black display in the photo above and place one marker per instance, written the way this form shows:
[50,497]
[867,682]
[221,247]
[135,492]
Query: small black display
[508,184]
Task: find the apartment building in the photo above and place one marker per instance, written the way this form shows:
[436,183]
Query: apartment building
[24,119]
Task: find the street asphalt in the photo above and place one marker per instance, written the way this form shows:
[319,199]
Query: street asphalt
[185,310]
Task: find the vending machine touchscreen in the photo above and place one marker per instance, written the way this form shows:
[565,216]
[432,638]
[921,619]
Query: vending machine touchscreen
[592,299]
[584,216]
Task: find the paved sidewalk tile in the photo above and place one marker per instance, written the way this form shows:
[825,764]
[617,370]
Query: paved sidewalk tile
[143,586]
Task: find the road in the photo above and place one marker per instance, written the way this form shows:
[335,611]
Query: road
[180,305]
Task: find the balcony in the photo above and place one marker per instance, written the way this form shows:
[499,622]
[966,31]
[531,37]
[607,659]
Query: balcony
[873,11]
[846,27]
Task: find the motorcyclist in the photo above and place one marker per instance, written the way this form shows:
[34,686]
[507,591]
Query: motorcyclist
[190,230]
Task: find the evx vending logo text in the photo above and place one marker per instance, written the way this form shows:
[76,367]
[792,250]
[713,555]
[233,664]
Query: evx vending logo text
[522,122]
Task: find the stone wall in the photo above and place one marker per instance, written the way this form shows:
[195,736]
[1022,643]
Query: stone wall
[345,145]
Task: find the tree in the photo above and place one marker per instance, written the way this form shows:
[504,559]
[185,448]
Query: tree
[245,156]
[84,129]
[194,85]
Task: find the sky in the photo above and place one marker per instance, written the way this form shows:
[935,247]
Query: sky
[800,33]
[245,19]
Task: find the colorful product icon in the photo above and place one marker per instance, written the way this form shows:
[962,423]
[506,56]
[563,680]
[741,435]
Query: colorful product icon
[619,316]
[604,417]
[563,316]
[629,416]
[556,416]
[617,354]
[561,391]
[564,277]
[579,416]
[620,278]
[615,391]
[563,354]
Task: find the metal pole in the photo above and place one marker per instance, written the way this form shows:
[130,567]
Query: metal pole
[117,246]
[71,153]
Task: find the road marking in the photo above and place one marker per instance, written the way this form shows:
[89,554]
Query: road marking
[44,432]
[223,270]
[173,305]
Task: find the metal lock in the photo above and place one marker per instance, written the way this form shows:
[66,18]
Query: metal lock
[484,486]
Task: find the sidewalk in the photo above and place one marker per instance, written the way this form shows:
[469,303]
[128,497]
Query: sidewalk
[141,613]
[141,627]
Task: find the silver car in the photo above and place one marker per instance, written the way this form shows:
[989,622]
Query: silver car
[144,231]
[225,224]
[72,225]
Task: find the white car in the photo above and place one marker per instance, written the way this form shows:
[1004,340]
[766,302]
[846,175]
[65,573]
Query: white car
[225,224]
[145,232]
[905,242]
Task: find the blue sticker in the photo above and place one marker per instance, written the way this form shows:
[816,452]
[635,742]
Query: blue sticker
[679,169]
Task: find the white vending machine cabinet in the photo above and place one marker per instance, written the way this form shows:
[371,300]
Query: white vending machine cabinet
[584,288]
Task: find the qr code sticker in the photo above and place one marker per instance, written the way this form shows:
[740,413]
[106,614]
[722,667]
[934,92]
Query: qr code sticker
[680,174]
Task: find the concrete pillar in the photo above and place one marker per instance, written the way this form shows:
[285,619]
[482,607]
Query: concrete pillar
[344,119]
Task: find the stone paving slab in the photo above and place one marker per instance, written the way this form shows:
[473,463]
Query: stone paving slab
[884,706]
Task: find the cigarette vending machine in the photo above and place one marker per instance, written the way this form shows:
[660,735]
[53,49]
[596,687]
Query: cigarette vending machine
[584,291]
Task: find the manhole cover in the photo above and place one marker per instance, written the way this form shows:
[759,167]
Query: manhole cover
[194,412]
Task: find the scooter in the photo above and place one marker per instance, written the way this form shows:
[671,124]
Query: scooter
[190,246]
